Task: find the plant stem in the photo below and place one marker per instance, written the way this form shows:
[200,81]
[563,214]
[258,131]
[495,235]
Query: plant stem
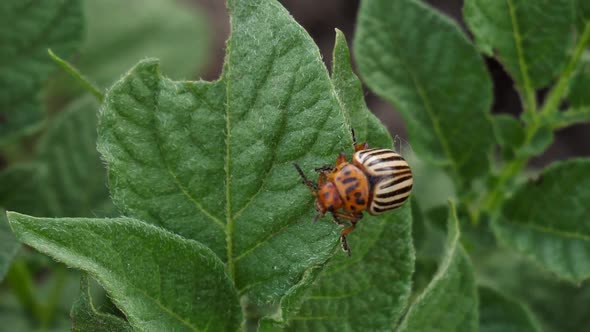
[530,99]
[493,198]
[75,73]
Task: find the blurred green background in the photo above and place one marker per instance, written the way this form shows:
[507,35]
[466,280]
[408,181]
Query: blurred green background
[49,165]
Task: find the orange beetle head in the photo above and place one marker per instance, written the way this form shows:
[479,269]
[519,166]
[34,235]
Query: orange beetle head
[328,199]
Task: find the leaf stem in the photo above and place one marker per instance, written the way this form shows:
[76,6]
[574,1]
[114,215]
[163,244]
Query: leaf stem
[493,198]
[75,73]
[530,98]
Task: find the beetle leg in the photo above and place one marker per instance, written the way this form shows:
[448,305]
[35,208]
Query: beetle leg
[313,187]
[344,233]
[325,169]
[341,159]
[337,220]
[361,146]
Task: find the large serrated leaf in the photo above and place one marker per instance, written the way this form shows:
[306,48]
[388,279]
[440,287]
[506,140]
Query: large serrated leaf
[213,161]
[499,313]
[161,281]
[423,63]
[9,245]
[449,302]
[547,220]
[528,37]
[27,30]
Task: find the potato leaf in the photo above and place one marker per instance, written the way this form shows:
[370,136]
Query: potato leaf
[423,64]
[449,302]
[159,280]
[547,220]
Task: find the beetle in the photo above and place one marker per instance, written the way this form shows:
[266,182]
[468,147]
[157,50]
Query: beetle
[377,180]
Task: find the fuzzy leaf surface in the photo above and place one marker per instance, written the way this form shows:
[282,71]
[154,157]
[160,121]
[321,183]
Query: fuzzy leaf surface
[349,294]
[212,161]
[547,220]
[499,313]
[421,62]
[449,302]
[27,30]
[529,38]
[161,281]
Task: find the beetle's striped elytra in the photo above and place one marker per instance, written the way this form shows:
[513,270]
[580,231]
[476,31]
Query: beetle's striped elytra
[376,181]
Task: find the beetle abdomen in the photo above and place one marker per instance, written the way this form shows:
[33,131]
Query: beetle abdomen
[391,178]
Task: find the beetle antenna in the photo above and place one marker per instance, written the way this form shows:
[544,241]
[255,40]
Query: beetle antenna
[311,185]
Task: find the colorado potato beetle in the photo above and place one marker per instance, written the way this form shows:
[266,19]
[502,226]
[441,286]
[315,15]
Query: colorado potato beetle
[376,181]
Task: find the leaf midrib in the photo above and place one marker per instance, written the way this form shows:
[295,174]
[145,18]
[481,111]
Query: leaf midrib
[551,231]
[523,67]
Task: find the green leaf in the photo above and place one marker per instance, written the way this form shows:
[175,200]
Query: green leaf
[508,130]
[509,134]
[540,141]
[159,280]
[369,291]
[85,317]
[26,32]
[174,32]
[571,117]
[559,305]
[529,38]
[348,293]
[547,220]
[74,184]
[212,161]
[423,64]
[9,245]
[349,91]
[499,313]
[449,302]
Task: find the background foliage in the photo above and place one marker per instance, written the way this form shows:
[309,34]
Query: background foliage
[205,224]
